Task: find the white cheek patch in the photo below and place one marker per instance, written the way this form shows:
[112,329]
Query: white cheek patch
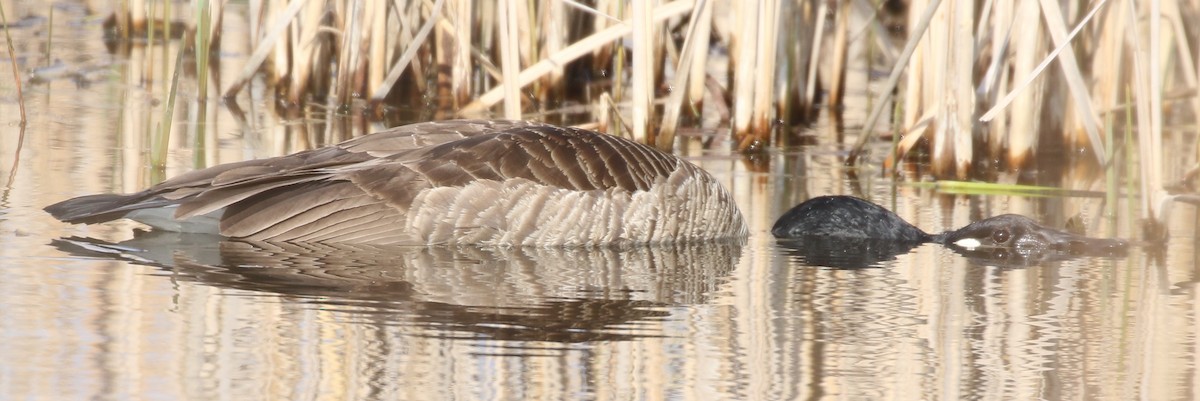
[969,243]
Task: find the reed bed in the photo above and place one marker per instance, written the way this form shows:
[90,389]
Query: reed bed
[980,88]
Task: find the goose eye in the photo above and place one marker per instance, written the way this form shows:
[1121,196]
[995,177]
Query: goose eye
[1001,236]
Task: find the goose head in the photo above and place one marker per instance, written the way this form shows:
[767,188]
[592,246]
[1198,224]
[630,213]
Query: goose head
[1022,235]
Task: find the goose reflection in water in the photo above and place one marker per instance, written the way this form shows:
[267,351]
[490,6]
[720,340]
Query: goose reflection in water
[527,294]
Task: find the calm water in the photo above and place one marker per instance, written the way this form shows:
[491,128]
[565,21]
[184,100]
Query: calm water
[104,313]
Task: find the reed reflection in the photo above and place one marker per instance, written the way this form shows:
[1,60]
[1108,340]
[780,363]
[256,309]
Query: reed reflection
[525,294]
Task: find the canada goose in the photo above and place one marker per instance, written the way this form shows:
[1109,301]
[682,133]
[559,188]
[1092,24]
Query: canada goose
[448,182]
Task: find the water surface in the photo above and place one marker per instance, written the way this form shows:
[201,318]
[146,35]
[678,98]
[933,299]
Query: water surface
[109,312]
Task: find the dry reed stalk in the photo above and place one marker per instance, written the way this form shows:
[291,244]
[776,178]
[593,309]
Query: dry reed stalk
[280,65]
[361,67]
[460,68]
[410,51]
[602,112]
[938,75]
[877,30]
[265,47]
[617,64]
[376,31]
[137,16]
[602,57]
[554,36]
[915,91]
[594,11]
[996,78]
[204,29]
[699,37]
[986,23]
[256,11]
[570,53]
[167,15]
[1109,61]
[960,107]
[306,71]
[1020,147]
[444,53]
[810,80]
[486,27]
[601,60]
[527,33]
[148,78]
[50,35]
[12,57]
[1084,111]
[121,19]
[642,81]
[665,139]
[409,37]
[841,45]
[216,19]
[509,57]
[622,128]
[1148,92]
[793,72]
[744,57]
[764,72]
[914,39]
[351,40]
[12,170]
[1026,109]
[1188,68]
[159,143]
[360,57]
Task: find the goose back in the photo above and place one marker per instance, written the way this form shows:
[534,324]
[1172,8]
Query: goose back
[451,182]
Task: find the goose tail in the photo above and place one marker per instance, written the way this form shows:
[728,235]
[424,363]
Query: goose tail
[99,208]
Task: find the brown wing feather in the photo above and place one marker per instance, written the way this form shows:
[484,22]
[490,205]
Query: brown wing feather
[268,214]
[336,211]
[416,136]
[97,208]
[362,189]
[567,158]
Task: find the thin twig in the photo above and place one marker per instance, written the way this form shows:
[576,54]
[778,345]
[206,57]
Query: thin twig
[12,55]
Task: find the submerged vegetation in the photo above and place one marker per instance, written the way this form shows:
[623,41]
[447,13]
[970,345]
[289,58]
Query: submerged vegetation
[970,89]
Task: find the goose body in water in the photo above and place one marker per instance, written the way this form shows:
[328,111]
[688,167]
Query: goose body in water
[481,182]
[506,183]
